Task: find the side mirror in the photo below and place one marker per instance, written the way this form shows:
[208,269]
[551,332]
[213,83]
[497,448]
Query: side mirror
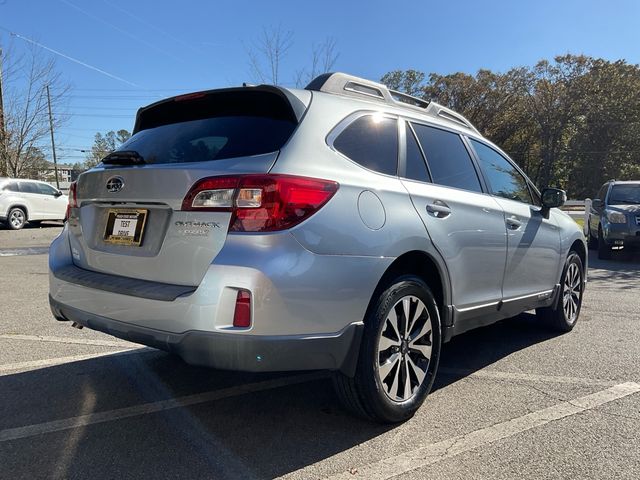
[58,194]
[596,204]
[552,198]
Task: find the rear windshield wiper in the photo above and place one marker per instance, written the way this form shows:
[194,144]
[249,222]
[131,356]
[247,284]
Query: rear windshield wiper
[124,157]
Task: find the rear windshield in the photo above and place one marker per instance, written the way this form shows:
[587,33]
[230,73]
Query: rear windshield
[625,194]
[214,125]
[210,139]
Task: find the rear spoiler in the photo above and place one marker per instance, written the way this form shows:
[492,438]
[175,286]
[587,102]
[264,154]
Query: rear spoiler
[261,100]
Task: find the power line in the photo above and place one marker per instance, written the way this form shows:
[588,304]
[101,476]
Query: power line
[153,27]
[99,115]
[75,60]
[121,30]
[119,97]
[143,89]
[94,107]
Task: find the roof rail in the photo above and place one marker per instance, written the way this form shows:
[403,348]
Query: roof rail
[409,99]
[348,85]
[437,110]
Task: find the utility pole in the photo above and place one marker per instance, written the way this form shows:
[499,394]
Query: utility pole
[53,143]
[3,134]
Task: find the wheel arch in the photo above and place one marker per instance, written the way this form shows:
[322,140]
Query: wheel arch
[578,247]
[428,269]
[22,207]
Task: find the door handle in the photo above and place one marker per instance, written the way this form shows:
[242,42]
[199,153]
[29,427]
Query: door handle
[513,223]
[439,209]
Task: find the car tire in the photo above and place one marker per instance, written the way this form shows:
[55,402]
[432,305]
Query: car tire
[592,241]
[604,250]
[16,219]
[563,316]
[396,368]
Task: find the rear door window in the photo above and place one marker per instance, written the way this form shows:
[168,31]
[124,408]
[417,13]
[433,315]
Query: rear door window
[448,159]
[28,187]
[371,141]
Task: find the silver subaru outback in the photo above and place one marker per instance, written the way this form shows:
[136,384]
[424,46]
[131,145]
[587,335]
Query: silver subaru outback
[344,226]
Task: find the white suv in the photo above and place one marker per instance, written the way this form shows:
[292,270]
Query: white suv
[23,201]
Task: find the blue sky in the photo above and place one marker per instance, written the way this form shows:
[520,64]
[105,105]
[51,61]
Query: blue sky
[167,47]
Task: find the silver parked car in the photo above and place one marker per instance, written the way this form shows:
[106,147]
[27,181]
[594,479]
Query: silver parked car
[23,201]
[343,227]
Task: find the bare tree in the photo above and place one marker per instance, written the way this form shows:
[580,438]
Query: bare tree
[323,59]
[267,53]
[25,107]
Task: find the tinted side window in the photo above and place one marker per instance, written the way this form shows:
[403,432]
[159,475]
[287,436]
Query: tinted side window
[45,189]
[28,187]
[603,192]
[504,180]
[11,187]
[372,142]
[448,159]
[416,167]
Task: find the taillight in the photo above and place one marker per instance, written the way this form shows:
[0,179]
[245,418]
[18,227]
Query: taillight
[73,200]
[260,203]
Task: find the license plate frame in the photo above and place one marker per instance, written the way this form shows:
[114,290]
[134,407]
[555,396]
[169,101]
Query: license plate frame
[139,215]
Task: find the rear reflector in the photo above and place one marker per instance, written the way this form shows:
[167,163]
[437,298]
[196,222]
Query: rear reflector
[242,313]
[260,203]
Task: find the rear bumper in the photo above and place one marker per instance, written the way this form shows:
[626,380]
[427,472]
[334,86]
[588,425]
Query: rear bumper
[307,309]
[234,352]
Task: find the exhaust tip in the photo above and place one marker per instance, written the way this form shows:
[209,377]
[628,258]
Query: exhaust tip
[77,325]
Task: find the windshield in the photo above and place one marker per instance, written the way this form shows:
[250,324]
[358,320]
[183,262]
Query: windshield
[625,194]
[210,139]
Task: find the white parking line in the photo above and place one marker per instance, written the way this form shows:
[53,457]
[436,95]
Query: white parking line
[526,377]
[154,407]
[8,368]
[78,341]
[437,452]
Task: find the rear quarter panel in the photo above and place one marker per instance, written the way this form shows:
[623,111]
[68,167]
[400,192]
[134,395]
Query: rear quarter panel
[381,223]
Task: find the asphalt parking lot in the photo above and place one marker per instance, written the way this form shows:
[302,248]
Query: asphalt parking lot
[511,400]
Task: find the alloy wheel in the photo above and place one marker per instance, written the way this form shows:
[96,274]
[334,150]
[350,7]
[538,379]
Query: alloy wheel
[17,218]
[571,292]
[404,348]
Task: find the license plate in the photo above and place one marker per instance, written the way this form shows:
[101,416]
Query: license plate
[125,226]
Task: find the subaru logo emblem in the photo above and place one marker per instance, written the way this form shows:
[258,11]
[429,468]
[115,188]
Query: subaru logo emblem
[115,184]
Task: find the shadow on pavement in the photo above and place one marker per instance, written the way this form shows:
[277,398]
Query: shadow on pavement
[622,271]
[480,348]
[35,225]
[257,435]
